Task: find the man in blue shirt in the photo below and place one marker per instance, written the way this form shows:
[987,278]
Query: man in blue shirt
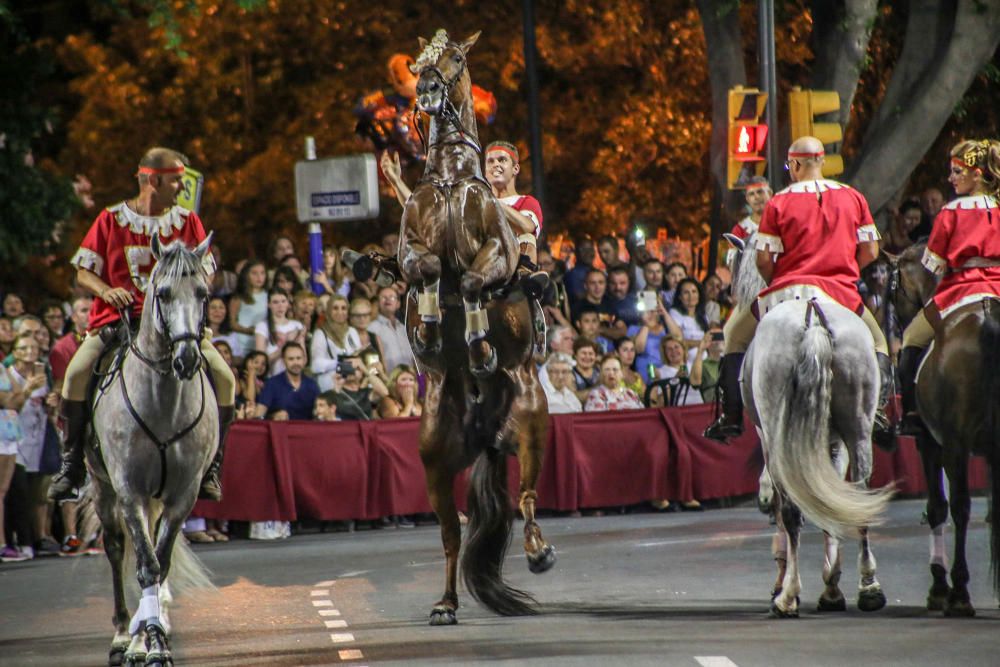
[289,395]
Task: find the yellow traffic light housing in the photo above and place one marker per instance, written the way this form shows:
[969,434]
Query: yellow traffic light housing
[747,136]
[803,107]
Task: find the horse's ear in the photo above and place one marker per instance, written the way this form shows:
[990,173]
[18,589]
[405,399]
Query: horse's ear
[893,260]
[735,241]
[466,44]
[155,247]
[422,42]
[203,247]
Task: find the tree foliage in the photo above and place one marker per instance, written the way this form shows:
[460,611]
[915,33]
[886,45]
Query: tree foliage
[33,199]
[627,94]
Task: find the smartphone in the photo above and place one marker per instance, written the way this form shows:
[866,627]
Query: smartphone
[718,335]
[647,300]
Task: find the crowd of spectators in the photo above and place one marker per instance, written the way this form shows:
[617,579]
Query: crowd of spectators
[617,324]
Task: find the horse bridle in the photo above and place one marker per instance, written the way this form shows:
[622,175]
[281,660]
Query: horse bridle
[161,365]
[448,111]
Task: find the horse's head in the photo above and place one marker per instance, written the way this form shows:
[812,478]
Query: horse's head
[176,300]
[742,261]
[441,65]
[910,283]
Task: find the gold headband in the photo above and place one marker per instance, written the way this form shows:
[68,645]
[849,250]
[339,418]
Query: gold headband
[975,157]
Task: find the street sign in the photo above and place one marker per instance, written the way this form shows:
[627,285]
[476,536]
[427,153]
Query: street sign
[190,195]
[337,189]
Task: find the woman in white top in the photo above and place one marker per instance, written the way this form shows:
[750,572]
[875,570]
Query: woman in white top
[333,339]
[278,329]
[248,306]
[688,312]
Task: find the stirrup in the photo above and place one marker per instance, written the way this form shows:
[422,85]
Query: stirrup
[723,428]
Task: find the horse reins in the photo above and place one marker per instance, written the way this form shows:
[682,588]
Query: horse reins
[448,111]
[154,364]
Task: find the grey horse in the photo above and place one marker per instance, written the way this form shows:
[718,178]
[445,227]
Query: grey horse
[156,426]
[810,382]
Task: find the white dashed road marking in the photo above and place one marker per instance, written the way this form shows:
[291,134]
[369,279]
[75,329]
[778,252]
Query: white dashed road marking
[325,609]
[714,661]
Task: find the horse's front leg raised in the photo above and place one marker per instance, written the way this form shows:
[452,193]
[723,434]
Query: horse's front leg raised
[530,451]
[420,267]
[489,267]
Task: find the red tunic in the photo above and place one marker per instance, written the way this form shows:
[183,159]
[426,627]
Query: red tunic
[117,249]
[966,228]
[744,228]
[61,353]
[814,227]
[527,206]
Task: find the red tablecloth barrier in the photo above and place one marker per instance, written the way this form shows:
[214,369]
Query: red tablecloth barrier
[364,470]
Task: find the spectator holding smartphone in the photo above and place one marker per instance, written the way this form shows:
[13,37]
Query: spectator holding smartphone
[358,388]
[334,339]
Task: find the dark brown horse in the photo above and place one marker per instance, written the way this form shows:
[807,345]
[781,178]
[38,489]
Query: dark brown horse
[958,398]
[483,400]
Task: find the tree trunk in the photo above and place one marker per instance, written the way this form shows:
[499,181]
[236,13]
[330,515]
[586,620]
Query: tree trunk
[900,142]
[720,22]
[928,30]
[840,41]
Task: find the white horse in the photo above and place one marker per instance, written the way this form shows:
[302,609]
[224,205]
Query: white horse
[810,383]
[156,426]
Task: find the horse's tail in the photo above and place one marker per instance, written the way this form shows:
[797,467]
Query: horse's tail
[488,536]
[989,374]
[187,572]
[798,451]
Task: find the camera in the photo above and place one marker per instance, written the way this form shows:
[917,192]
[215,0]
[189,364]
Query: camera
[345,368]
[718,336]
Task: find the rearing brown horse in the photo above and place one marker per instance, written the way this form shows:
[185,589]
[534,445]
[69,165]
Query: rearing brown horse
[958,398]
[457,250]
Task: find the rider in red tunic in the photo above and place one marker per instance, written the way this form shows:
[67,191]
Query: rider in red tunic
[757,193]
[114,262]
[814,238]
[964,248]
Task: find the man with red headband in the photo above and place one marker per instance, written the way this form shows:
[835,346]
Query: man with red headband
[113,263]
[814,238]
[758,193]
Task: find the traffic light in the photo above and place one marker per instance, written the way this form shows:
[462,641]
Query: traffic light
[803,107]
[747,139]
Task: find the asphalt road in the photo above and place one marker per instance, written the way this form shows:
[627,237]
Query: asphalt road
[635,589]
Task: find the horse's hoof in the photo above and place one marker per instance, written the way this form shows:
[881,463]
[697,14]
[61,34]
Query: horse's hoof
[543,560]
[837,604]
[775,592]
[937,597]
[936,602]
[488,367]
[441,615]
[872,600]
[116,657]
[776,612]
[959,609]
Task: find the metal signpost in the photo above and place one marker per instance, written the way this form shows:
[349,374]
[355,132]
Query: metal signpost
[336,189]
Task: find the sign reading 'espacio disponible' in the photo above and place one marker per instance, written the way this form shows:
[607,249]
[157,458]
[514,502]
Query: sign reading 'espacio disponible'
[337,189]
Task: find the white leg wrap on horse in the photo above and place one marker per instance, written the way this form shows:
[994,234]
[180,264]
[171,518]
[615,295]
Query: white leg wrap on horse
[477,323]
[149,608]
[938,554]
[427,303]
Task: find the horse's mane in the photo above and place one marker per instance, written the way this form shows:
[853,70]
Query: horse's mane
[176,262]
[747,281]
